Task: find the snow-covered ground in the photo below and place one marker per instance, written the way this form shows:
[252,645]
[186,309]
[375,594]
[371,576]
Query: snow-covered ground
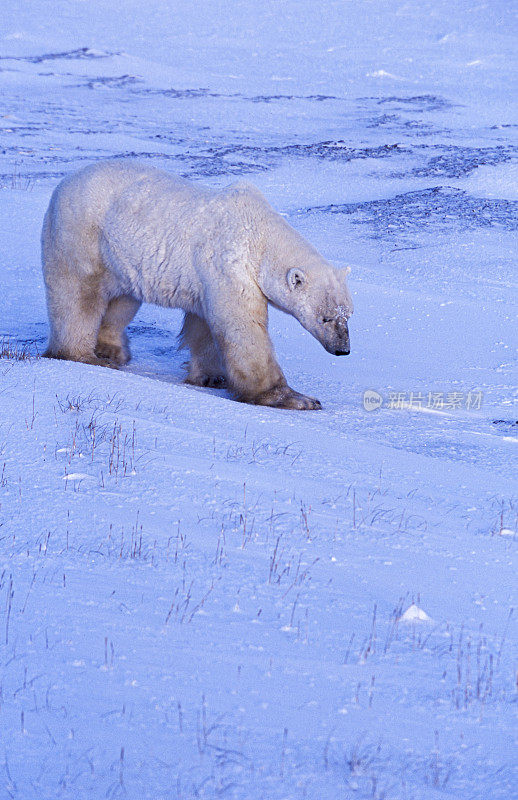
[200,598]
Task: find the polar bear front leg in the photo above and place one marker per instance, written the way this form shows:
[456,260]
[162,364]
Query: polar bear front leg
[253,374]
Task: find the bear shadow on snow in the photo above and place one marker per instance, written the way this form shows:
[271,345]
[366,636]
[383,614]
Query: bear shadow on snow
[119,233]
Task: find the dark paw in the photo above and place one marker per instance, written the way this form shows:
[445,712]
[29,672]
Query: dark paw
[300,402]
[215,381]
[208,381]
[98,361]
[94,360]
[284,397]
[114,353]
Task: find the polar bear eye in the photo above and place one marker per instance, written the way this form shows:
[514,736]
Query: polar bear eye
[327,319]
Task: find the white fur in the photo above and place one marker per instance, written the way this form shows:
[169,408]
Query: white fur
[119,233]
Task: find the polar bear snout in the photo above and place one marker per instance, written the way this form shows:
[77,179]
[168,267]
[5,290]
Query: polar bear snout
[342,333]
[334,335]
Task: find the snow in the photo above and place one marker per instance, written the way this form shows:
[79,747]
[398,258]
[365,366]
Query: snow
[415,614]
[500,180]
[200,598]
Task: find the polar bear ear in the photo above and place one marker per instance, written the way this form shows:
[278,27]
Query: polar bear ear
[296,278]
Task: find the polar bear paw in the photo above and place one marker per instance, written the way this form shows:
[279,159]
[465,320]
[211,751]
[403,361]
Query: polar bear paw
[114,353]
[208,381]
[284,397]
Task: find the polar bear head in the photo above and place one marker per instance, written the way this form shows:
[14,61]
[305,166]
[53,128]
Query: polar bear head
[317,295]
[295,278]
[320,300]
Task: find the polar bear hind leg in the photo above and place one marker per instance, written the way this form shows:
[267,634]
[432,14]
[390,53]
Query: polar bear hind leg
[205,365]
[112,340]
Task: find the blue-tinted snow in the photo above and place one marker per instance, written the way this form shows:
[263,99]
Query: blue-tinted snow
[200,598]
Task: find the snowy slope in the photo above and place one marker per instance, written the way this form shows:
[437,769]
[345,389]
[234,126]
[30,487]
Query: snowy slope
[200,598]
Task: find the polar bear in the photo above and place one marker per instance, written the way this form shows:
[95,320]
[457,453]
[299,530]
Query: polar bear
[118,233]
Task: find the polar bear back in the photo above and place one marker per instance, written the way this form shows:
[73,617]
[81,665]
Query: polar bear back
[149,229]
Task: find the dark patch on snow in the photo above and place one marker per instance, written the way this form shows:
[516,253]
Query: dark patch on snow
[112,82]
[23,130]
[79,53]
[142,155]
[396,123]
[209,169]
[383,120]
[191,165]
[440,206]
[270,98]
[459,161]
[260,98]
[179,94]
[241,159]
[318,98]
[157,342]
[332,150]
[506,424]
[27,179]
[213,166]
[417,103]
